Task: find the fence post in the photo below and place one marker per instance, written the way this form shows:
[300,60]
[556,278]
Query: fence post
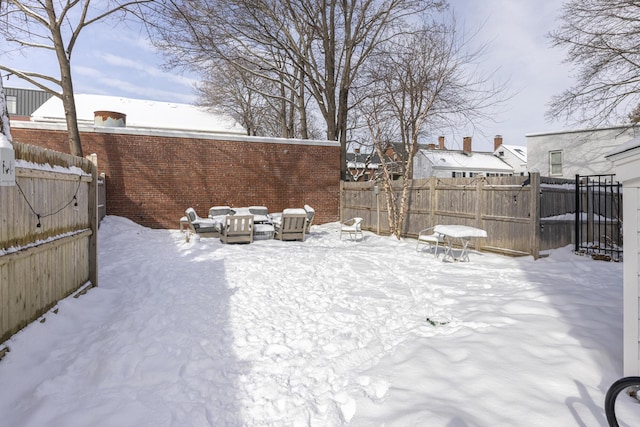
[341,208]
[536,194]
[432,200]
[577,221]
[479,208]
[93,224]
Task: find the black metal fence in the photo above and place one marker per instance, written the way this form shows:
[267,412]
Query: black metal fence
[598,226]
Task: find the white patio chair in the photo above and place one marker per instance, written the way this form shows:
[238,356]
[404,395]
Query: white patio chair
[311,213]
[352,227]
[431,238]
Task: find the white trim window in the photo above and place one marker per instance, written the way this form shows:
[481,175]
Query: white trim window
[555,162]
[12,104]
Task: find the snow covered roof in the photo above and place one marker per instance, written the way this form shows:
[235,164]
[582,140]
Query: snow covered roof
[363,160]
[627,146]
[458,160]
[518,151]
[142,114]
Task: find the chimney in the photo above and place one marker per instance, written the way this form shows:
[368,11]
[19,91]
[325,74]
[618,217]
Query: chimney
[109,119]
[441,142]
[431,146]
[497,142]
[466,144]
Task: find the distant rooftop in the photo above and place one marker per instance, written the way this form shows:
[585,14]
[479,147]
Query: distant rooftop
[142,114]
[446,159]
[520,152]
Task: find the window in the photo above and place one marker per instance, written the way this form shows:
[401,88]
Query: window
[12,104]
[555,162]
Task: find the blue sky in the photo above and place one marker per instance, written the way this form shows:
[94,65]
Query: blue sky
[119,61]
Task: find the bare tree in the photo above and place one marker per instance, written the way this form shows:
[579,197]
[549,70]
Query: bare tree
[5,131]
[55,26]
[601,38]
[305,47]
[234,91]
[420,83]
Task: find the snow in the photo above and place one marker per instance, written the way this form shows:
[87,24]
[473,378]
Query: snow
[519,151]
[142,114]
[69,170]
[445,159]
[325,332]
[583,217]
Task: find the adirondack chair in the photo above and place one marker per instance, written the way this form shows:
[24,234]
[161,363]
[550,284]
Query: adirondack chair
[237,229]
[291,225]
[202,226]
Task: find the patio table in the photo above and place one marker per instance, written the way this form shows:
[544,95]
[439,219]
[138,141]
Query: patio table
[461,234]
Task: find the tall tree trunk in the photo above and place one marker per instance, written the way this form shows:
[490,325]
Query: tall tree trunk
[68,100]
[4,115]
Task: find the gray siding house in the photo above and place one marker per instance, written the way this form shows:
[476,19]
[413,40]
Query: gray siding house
[22,102]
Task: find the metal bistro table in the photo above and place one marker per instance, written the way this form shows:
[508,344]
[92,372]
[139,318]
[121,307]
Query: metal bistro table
[460,234]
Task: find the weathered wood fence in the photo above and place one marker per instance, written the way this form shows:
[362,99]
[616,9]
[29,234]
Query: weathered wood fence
[522,215]
[48,234]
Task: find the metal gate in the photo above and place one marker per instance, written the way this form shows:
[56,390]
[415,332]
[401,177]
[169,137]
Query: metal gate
[598,226]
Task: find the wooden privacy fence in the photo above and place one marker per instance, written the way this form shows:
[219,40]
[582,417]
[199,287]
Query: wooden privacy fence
[48,234]
[512,209]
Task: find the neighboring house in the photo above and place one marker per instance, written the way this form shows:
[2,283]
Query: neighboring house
[442,163]
[362,166]
[565,154]
[513,155]
[22,102]
[141,114]
[368,166]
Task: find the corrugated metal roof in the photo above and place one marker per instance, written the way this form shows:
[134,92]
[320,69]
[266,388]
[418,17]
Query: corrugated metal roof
[27,100]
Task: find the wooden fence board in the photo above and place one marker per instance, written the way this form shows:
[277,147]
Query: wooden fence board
[41,265]
[508,208]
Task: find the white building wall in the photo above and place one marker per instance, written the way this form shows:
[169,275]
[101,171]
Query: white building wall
[626,161]
[422,167]
[583,151]
[631,299]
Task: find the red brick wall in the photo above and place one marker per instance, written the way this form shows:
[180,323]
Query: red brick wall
[153,179]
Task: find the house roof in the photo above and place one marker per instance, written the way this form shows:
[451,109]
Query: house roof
[627,146]
[518,151]
[142,114]
[361,160]
[458,160]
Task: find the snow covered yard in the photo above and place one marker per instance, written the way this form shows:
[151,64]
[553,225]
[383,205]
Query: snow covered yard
[319,333]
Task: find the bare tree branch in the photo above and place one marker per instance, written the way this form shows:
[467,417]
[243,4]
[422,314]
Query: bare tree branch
[25,22]
[416,84]
[313,47]
[602,39]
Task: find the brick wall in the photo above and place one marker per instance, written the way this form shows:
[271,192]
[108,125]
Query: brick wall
[152,179]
